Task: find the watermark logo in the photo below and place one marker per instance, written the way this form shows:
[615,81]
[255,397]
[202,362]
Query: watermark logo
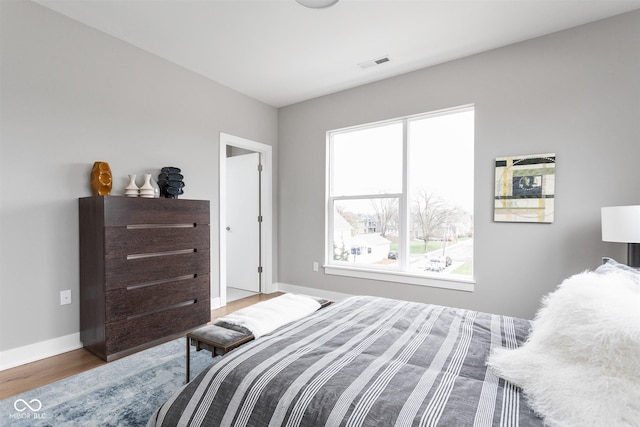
[28,410]
[21,405]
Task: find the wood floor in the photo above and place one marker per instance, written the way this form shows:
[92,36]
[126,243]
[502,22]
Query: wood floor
[33,375]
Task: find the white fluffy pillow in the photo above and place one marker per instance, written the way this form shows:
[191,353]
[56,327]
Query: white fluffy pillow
[580,365]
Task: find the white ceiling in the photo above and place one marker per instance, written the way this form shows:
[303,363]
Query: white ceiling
[281,53]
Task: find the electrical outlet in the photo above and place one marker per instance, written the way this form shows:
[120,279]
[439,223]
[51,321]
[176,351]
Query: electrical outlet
[65,297]
[315,265]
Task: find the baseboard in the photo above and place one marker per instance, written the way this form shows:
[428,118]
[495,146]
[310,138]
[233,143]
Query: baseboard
[215,303]
[314,292]
[40,350]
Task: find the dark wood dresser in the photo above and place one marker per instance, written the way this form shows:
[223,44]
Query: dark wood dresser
[144,272]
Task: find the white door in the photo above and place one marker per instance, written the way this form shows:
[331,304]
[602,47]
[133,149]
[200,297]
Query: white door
[243,228]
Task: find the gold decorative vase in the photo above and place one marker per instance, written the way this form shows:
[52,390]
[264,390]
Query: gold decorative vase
[101,179]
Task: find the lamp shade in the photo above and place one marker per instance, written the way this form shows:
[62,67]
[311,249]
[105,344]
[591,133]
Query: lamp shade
[621,224]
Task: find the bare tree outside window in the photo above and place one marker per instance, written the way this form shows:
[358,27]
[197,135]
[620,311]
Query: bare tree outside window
[386,214]
[430,215]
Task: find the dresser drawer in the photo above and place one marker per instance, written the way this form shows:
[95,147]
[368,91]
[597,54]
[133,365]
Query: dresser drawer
[142,271]
[122,243]
[135,331]
[120,211]
[135,301]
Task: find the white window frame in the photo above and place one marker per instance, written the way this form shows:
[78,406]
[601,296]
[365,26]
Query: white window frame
[460,283]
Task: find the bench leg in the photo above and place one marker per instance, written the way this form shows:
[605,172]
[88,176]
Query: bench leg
[188,360]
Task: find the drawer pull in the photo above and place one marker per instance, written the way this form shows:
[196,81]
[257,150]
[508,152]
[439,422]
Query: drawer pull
[161,309]
[140,226]
[157,254]
[161,282]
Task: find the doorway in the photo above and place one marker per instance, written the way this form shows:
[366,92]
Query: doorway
[245,218]
[243,229]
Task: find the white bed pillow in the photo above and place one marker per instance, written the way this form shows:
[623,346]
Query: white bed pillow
[612,266]
[580,365]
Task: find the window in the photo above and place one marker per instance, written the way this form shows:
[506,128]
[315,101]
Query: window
[400,200]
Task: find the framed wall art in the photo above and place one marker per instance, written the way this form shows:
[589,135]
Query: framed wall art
[525,188]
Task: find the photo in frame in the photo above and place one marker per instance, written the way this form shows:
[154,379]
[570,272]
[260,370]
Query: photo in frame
[525,188]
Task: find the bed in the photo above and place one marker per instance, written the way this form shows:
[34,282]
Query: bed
[363,361]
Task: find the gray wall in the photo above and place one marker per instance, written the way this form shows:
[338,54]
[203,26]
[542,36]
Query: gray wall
[70,96]
[575,93]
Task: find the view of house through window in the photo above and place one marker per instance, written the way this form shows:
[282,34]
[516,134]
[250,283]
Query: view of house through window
[401,196]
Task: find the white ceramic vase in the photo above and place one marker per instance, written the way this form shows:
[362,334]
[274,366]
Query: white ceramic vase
[147,189]
[132,189]
[156,188]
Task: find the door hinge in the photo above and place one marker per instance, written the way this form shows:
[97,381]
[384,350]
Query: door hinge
[259,218]
[260,269]
[259,167]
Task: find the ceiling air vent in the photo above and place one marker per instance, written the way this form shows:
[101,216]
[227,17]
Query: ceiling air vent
[374,62]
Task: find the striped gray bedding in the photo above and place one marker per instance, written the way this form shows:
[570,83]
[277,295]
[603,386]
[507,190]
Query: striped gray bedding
[364,361]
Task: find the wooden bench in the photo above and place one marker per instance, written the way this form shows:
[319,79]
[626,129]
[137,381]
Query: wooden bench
[216,339]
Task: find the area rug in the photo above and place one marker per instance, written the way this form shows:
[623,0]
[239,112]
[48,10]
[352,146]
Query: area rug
[121,393]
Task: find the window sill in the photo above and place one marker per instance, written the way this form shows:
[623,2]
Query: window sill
[457,283]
